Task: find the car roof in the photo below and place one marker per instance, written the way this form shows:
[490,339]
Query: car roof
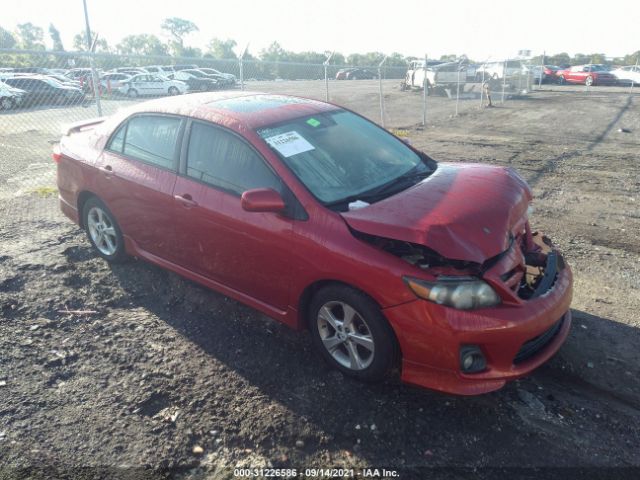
[235,109]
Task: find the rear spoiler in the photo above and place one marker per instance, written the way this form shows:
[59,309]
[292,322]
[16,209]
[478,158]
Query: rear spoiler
[82,125]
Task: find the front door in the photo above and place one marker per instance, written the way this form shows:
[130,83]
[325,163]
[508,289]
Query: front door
[246,251]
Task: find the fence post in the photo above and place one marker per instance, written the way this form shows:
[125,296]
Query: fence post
[504,79]
[91,46]
[544,54]
[458,88]
[424,93]
[381,94]
[240,66]
[632,82]
[326,76]
[484,66]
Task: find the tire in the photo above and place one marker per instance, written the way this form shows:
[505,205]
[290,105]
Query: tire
[132,93]
[588,81]
[173,91]
[561,80]
[103,231]
[6,103]
[338,315]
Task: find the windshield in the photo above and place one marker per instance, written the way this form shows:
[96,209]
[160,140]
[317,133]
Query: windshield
[196,73]
[340,156]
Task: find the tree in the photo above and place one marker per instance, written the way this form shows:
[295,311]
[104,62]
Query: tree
[30,36]
[177,28]
[80,43]
[7,40]
[221,48]
[448,58]
[273,53]
[142,44]
[54,33]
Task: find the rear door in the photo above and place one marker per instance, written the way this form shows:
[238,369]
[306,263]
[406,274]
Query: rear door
[136,175]
[246,251]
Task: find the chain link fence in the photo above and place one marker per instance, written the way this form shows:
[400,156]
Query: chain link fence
[41,91]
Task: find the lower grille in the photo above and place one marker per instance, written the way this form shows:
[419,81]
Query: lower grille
[533,346]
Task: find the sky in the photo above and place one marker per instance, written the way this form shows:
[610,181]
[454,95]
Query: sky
[480,29]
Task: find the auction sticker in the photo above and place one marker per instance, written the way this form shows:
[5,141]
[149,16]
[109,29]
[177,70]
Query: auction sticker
[289,143]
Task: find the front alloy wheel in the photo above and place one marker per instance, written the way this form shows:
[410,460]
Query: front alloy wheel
[351,333]
[346,335]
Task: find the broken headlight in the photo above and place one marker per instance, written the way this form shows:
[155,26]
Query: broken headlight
[463,293]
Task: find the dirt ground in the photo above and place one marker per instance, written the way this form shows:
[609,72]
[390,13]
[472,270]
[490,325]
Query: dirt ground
[162,378]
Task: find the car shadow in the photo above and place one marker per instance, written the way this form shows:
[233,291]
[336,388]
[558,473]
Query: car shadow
[391,423]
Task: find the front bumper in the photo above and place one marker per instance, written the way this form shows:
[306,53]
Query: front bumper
[430,337]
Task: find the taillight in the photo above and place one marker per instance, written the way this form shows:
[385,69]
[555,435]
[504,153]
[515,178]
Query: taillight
[56,155]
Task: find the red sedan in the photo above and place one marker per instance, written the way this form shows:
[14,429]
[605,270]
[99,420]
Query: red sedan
[322,220]
[586,75]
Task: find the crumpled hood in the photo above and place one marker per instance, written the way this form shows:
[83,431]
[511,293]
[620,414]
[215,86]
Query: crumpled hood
[462,211]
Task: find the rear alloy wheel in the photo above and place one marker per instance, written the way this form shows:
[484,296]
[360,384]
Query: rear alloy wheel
[588,81]
[173,91]
[351,333]
[6,103]
[132,93]
[103,231]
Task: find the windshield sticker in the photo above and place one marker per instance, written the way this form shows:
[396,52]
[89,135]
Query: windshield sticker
[313,122]
[289,144]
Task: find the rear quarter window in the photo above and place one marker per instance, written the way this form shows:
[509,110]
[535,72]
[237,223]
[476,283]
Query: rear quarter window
[150,138]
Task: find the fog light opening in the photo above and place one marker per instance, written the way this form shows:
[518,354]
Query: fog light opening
[471,359]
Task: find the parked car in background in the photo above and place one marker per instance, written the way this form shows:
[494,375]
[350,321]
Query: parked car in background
[130,70]
[190,66]
[112,81]
[447,75]
[76,73]
[498,70]
[160,69]
[150,84]
[324,221]
[195,83]
[10,97]
[629,75]
[230,78]
[196,72]
[45,90]
[355,74]
[546,73]
[64,80]
[590,74]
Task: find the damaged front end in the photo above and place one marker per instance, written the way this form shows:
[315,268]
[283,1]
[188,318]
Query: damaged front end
[527,269]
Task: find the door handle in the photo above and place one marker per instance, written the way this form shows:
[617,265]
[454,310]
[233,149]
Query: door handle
[186,200]
[107,170]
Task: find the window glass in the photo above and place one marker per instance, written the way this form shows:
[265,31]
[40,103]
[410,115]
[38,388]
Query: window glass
[339,154]
[117,141]
[223,160]
[152,139]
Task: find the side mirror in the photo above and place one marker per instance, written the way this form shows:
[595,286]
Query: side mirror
[262,200]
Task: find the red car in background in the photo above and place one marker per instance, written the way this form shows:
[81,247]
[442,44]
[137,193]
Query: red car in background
[592,74]
[322,220]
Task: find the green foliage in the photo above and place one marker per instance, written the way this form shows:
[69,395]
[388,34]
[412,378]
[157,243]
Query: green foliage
[142,44]
[221,48]
[30,36]
[54,33]
[7,40]
[177,28]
